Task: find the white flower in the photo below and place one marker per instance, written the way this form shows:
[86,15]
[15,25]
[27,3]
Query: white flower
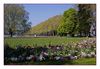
[30,57]
[83,54]
[89,55]
[57,58]
[13,59]
[41,57]
[76,57]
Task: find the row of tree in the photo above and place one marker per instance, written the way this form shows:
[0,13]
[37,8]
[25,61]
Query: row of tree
[75,21]
[15,19]
[78,21]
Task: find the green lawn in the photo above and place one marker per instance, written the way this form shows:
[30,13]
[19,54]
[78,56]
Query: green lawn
[81,61]
[40,41]
[85,61]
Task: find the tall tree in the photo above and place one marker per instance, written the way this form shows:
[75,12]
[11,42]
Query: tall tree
[93,19]
[69,22]
[86,18]
[15,19]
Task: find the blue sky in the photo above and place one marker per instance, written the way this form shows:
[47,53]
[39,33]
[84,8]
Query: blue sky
[41,12]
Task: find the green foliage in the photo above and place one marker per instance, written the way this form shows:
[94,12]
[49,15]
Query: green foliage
[69,22]
[86,18]
[15,19]
[78,22]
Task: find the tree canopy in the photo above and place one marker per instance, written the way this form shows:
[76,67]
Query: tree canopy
[69,22]
[86,18]
[78,21]
[15,19]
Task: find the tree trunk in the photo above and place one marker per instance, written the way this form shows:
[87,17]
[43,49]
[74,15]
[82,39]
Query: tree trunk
[11,34]
[89,34]
[72,35]
[80,34]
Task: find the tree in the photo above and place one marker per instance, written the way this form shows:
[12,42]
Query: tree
[93,19]
[15,19]
[86,18]
[69,23]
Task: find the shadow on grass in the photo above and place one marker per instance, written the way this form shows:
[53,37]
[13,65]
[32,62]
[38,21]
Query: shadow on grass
[49,62]
[81,61]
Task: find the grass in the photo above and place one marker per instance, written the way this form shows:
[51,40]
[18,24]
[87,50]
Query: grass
[40,41]
[85,61]
[81,61]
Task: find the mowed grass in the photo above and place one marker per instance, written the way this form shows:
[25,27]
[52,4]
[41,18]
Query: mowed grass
[81,61]
[39,41]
